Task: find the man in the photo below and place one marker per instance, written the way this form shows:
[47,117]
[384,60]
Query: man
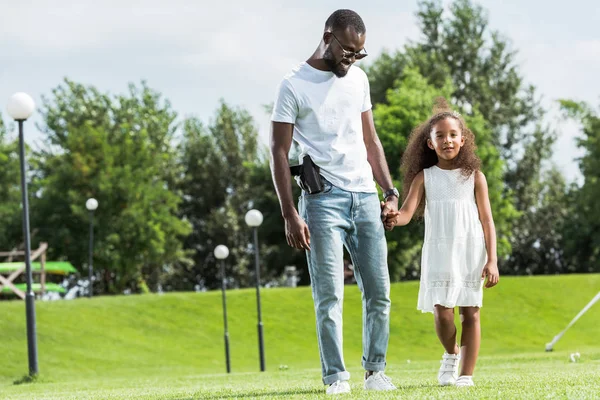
[324,105]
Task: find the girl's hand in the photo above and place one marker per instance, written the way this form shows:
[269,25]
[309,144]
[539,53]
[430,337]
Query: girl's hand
[491,272]
[391,220]
[385,216]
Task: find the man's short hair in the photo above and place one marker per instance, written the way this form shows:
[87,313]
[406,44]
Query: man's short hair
[342,19]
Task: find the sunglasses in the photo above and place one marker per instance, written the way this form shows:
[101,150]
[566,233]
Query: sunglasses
[347,54]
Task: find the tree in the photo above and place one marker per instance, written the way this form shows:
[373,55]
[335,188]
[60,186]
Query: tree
[581,242]
[118,150]
[480,64]
[538,234]
[541,195]
[408,105]
[224,177]
[11,233]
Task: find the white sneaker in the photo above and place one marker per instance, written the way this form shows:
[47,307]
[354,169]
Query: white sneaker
[379,381]
[465,380]
[338,387]
[448,373]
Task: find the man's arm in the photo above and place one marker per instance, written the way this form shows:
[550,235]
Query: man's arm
[375,154]
[297,234]
[281,142]
[376,158]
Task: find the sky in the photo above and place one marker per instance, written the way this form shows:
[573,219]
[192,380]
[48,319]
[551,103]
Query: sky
[198,52]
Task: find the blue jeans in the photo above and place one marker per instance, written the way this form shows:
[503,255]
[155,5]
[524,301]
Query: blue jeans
[338,218]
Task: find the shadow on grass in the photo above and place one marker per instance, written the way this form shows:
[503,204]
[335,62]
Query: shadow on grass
[30,379]
[25,379]
[276,393]
[259,394]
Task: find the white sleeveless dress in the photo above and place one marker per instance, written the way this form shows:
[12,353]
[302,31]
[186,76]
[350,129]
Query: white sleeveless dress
[454,252]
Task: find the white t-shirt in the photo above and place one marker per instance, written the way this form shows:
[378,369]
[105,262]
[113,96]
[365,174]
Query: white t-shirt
[326,113]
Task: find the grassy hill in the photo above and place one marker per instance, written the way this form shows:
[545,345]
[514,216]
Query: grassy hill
[182,333]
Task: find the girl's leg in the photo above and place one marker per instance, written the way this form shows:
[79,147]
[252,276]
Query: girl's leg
[445,328]
[470,339]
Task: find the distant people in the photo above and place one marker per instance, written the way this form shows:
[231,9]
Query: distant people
[324,105]
[442,180]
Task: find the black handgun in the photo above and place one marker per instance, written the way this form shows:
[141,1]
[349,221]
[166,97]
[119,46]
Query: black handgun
[309,173]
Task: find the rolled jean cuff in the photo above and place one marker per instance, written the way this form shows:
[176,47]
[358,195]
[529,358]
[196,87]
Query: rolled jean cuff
[340,376]
[373,366]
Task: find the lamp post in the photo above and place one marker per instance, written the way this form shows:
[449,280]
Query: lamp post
[91,204]
[221,253]
[20,107]
[254,218]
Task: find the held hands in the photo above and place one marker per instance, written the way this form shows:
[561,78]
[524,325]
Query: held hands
[491,272]
[391,220]
[389,211]
[297,233]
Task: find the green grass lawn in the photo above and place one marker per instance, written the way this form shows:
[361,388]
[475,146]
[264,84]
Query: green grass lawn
[533,376]
[171,346]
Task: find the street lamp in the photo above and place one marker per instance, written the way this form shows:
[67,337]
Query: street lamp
[91,204]
[254,218]
[20,107]
[221,252]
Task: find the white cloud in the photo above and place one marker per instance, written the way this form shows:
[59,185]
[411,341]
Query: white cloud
[74,25]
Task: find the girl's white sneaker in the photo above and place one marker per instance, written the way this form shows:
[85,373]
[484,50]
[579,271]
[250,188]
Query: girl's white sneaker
[448,373]
[465,380]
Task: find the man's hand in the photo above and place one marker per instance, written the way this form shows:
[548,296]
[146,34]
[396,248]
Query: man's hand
[297,233]
[390,205]
[491,272]
[391,220]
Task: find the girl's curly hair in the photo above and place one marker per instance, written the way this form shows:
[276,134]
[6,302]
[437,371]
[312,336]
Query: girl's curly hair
[419,156]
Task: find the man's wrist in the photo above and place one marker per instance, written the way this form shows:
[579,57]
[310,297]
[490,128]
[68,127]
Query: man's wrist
[289,212]
[393,192]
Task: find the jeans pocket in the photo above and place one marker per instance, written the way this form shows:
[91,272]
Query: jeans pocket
[327,187]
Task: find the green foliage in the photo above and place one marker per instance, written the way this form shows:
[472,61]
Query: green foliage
[224,176]
[582,244]
[460,46]
[118,150]
[542,197]
[577,110]
[11,231]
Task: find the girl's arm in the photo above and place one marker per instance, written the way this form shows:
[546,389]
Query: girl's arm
[406,212]
[489,230]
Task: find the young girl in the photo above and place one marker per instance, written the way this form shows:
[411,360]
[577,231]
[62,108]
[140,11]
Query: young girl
[443,181]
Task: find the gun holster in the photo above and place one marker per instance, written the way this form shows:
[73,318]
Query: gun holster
[309,173]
